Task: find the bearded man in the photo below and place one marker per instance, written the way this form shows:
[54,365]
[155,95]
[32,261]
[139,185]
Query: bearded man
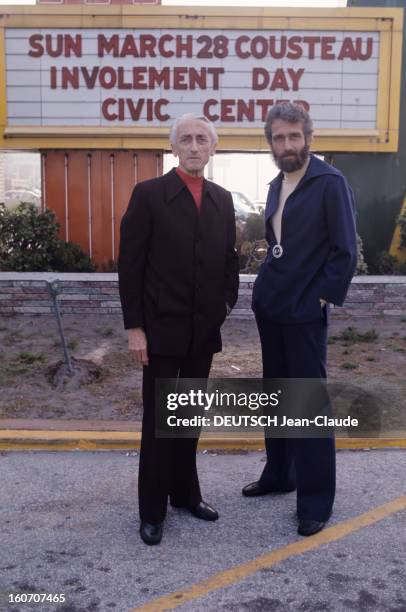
[312,254]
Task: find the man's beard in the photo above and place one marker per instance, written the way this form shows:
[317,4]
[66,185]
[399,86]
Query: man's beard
[290,164]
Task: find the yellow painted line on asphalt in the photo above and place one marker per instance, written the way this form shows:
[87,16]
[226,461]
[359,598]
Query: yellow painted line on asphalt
[359,443]
[52,440]
[241,572]
[84,445]
[47,439]
[48,434]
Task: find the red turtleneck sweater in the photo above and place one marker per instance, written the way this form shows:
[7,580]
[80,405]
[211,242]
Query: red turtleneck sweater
[194,184]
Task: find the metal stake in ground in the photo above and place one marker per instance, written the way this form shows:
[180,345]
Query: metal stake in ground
[53,291]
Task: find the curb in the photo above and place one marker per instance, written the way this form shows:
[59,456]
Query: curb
[20,439]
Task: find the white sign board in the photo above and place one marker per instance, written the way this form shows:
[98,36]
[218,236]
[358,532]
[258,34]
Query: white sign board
[90,77]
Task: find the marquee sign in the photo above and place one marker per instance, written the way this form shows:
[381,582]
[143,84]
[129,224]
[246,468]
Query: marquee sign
[131,82]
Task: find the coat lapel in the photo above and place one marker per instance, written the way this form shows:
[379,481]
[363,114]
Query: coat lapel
[173,185]
[273,197]
[210,196]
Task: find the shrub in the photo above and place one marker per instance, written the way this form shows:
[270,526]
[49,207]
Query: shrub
[69,257]
[386,263]
[401,268]
[251,244]
[29,242]
[401,221]
[362,267]
[109,266]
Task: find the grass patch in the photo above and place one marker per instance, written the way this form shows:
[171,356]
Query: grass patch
[347,365]
[371,359]
[106,332]
[13,337]
[135,396]
[4,370]
[72,344]
[29,358]
[352,335]
[13,409]
[10,370]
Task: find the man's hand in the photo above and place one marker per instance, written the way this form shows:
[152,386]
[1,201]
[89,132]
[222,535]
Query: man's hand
[137,343]
[322,302]
[229,309]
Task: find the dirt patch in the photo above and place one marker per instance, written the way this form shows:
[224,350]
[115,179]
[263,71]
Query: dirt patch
[78,373]
[108,382]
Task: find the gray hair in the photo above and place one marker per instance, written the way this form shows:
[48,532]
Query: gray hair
[174,128]
[292,113]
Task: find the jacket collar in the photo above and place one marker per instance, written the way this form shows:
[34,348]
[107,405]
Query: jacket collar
[316,167]
[174,185]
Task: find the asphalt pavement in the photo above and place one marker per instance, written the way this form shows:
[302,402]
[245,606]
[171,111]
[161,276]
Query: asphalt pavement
[69,526]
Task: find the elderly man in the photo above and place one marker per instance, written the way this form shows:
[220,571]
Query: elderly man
[178,277]
[311,258]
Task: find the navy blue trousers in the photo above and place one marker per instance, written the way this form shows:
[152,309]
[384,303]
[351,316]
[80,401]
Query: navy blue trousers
[307,464]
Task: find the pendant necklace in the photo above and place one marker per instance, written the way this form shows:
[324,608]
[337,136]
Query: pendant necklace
[277,251]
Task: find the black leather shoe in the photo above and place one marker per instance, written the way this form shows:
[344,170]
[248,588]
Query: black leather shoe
[308,527]
[254,489]
[205,512]
[151,534]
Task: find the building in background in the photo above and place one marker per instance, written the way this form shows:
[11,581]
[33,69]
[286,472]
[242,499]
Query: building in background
[95,88]
[20,178]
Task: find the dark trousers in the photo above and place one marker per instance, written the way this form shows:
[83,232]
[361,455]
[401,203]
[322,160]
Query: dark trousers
[167,465]
[299,351]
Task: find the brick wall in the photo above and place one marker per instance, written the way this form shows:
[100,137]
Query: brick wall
[98,293]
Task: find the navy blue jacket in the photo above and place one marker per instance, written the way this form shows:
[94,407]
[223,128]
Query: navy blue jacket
[319,248]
